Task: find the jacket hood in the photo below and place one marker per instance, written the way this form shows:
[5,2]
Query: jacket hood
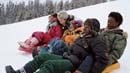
[117,31]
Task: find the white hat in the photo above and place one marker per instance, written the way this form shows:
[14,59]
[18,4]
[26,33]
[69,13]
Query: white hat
[62,15]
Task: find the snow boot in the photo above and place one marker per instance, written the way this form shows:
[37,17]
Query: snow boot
[28,45]
[24,47]
[9,69]
[27,68]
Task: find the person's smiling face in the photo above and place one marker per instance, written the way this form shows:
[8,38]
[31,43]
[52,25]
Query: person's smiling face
[112,23]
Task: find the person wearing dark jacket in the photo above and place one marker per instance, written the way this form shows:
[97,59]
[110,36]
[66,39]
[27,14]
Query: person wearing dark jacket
[90,43]
[97,58]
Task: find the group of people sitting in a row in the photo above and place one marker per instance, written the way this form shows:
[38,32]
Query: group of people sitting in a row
[61,26]
[74,46]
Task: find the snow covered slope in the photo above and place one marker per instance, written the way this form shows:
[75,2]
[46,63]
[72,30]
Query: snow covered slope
[11,34]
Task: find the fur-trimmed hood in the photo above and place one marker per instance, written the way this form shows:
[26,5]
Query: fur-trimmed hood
[117,31]
[51,25]
[125,34]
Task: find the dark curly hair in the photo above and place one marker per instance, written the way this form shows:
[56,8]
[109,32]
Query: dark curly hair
[93,23]
[117,16]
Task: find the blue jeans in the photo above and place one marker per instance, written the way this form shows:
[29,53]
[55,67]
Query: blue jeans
[56,46]
[86,65]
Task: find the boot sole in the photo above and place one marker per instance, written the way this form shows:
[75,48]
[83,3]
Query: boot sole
[9,69]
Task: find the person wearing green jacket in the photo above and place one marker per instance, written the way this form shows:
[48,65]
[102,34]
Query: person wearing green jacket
[116,37]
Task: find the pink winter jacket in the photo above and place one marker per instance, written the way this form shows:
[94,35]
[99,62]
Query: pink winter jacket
[46,37]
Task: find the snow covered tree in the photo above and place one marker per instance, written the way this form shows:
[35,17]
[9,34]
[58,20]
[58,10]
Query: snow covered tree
[66,6]
[59,6]
[2,14]
[41,10]
[10,13]
[20,9]
[36,8]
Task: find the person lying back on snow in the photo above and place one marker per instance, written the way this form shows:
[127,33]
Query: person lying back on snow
[39,38]
[58,24]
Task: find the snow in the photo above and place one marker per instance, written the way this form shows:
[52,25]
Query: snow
[12,33]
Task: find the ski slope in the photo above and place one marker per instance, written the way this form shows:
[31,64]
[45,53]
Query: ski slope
[12,33]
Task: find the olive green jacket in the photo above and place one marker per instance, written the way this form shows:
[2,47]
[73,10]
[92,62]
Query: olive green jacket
[116,40]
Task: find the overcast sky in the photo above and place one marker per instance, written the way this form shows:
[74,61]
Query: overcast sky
[17,1]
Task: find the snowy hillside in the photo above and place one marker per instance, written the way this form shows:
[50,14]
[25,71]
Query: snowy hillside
[11,34]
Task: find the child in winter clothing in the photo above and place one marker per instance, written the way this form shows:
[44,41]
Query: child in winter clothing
[64,20]
[89,43]
[42,38]
[51,20]
[116,38]
[73,32]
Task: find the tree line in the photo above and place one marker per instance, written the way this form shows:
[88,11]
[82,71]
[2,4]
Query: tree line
[15,12]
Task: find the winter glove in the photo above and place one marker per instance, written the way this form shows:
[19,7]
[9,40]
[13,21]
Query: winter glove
[65,55]
[74,59]
[34,52]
